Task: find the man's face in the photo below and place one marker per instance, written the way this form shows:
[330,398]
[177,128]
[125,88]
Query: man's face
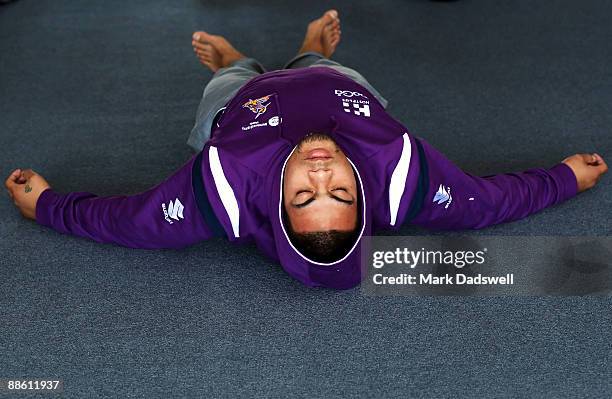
[319,188]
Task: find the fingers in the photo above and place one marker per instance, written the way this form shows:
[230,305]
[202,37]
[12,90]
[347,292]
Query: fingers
[27,174]
[16,172]
[593,160]
[11,184]
[597,165]
[20,176]
[584,158]
[10,181]
[596,161]
[21,179]
[600,161]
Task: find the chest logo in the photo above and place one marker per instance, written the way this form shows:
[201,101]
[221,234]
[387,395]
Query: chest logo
[354,102]
[358,109]
[259,105]
[273,121]
[348,93]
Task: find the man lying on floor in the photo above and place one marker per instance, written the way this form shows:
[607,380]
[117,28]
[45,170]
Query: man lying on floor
[302,161]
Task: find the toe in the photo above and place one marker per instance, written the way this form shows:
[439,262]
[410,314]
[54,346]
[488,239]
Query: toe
[198,35]
[330,16]
[330,32]
[202,37]
[203,52]
[202,46]
[328,29]
[334,39]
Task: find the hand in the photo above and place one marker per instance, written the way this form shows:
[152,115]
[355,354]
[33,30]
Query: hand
[588,169]
[24,187]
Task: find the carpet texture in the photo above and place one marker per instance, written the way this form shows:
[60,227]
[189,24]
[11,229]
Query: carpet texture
[100,96]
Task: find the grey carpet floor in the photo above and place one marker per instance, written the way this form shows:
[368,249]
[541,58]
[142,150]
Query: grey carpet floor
[100,96]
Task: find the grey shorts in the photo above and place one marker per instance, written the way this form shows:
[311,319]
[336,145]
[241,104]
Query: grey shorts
[227,81]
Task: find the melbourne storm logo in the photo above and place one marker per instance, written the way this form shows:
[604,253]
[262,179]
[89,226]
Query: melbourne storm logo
[258,106]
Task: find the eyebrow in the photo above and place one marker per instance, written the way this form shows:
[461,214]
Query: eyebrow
[309,201]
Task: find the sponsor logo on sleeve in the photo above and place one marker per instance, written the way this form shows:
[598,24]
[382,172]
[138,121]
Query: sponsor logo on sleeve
[443,196]
[174,211]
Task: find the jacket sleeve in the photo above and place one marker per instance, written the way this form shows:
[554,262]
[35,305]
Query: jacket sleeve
[165,216]
[457,200]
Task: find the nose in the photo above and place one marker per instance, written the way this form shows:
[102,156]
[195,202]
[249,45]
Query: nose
[320,178]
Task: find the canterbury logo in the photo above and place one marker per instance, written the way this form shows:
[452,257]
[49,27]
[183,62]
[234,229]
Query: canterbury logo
[443,195]
[174,211]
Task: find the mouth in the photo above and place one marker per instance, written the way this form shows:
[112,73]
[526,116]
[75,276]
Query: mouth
[318,154]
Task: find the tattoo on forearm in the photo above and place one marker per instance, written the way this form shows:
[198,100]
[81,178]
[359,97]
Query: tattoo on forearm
[28,188]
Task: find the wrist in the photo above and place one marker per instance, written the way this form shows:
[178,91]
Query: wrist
[46,198]
[566,179]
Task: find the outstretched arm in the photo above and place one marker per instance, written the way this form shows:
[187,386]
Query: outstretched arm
[165,216]
[458,200]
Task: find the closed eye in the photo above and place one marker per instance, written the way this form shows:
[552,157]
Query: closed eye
[348,202]
[344,200]
[305,203]
[332,196]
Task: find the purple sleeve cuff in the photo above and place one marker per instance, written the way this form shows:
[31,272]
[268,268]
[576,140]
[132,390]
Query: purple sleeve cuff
[46,199]
[568,185]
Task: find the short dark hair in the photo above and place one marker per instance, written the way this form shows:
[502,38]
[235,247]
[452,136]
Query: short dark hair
[324,246]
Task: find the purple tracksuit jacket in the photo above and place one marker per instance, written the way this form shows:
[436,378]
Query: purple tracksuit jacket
[233,187]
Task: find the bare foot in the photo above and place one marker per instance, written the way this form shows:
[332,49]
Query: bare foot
[214,51]
[323,34]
